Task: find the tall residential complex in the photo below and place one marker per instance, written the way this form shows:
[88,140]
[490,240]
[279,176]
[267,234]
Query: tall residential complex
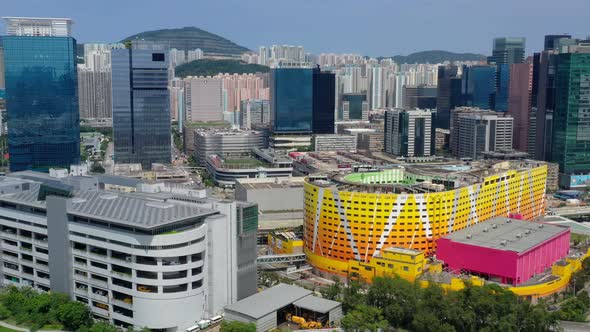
[571,118]
[179,57]
[409,132]
[41,94]
[519,103]
[129,257]
[448,95]
[480,132]
[271,56]
[204,101]
[141,115]
[254,112]
[508,51]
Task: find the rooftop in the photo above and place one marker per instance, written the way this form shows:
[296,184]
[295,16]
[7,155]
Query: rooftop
[317,304]
[506,234]
[269,183]
[134,210]
[269,300]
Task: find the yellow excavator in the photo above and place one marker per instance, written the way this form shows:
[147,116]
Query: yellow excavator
[303,324]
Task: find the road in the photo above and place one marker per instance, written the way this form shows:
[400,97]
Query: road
[572,211]
[109,162]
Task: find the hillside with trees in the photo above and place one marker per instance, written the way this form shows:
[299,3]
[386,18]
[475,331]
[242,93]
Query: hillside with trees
[210,67]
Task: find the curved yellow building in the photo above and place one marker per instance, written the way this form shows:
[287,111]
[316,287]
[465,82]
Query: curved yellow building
[356,216]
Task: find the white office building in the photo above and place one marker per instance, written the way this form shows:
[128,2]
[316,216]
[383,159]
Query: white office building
[162,261]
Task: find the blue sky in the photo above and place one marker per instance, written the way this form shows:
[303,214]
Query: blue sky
[368,27]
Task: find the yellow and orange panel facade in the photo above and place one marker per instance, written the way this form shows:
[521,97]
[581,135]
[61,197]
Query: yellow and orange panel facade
[355,217]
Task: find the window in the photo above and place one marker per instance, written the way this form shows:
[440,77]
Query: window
[158,57]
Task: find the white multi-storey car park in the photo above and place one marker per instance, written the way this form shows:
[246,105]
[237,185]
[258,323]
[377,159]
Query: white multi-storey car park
[160,261]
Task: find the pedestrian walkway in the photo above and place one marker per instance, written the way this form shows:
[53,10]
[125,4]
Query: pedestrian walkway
[24,329]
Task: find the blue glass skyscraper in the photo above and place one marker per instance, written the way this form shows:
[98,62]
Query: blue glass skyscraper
[41,97]
[141,116]
[502,83]
[291,100]
[324,101]
[478,86]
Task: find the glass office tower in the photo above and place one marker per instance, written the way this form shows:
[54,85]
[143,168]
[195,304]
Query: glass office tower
[41,101]
[141,116]
[478,86]
[324,102]
[571,118]
[502,84]
[356,106]
[508,51]
[291,100]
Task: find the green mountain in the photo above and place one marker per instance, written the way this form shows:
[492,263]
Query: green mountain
[209,67]
[437,57]
[190,38]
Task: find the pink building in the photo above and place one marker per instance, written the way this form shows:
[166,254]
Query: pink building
[505,250]
[519,103]
[242,87]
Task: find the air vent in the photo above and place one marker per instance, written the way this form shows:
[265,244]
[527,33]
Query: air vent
[508,221]
[518,236]
[485,229]
[541,225]
[494,226]
[108,196]
[469,236]
[78,200]
[503,242]
[528,231]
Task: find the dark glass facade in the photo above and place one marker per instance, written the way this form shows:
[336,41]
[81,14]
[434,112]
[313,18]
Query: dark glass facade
[507,51]
[324,102]
[478,86]
[141,116]
[448,94]
[42,102]
[355,104]
[502,84]
[291,100]
[571,118]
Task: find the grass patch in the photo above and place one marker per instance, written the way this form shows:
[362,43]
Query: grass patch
[243,162]
[6,329]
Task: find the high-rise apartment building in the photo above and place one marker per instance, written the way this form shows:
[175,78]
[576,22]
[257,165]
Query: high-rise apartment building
[571,118]
[454,125]
[141,115]
[376,88]
[448,95]
[324,102]
[254,112]
[508,51]
[409,132]
[41,93]
[483,132]
[204,100]
[354,107]
[519,103]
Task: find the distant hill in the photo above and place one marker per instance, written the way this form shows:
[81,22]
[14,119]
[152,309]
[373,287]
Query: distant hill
[190,38]
[437,57]
[209,67]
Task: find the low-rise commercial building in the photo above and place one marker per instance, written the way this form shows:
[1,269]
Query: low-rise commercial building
[505,250]
[225,143]
[128,256]
[334,143]
[270,308]
[260,163]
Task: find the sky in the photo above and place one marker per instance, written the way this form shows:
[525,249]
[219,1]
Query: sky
[366,27]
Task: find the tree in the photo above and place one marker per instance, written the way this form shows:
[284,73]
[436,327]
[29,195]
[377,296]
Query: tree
[333,291]
[97,168]
[74,315]
[233,326]
[352,296]
[364,318]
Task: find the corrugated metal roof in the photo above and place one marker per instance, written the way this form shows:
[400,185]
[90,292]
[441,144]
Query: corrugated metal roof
[317,304]
[269,300]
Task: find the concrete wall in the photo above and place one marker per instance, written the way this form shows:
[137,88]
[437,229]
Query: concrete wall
[272,199]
